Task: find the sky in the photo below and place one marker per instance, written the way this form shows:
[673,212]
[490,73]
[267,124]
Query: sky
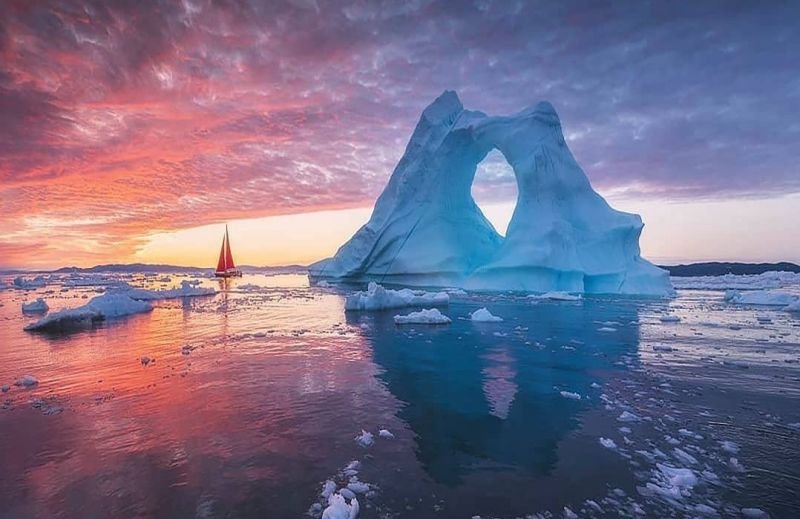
[133,130]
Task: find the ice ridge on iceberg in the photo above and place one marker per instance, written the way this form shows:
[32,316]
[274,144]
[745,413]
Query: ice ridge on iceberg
[427,230]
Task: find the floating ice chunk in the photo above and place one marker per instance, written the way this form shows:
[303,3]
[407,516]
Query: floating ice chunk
[595,385]
[671,318]
[729,446]
[607,329]
[673,483]
[39,306]
[377,297]
[754,513]
[425,316]
[26,284]
[386,433]
[26,381]
[328,488]
[608,443]
[347,493]
[5,388]
[354,465]
[97,309]
[570,395]
[338,508]
[627,416]
[145,360]
[482,315]
[761,297]
[555,296]
[569,514]
[359,487]
[365,439]
[684,456]
[187,289]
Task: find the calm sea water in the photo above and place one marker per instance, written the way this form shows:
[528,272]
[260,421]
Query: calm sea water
[496,419]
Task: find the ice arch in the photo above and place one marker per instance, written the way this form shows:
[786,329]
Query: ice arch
[427,230]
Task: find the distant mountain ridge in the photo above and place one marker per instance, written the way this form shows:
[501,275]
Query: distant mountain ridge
[716,268]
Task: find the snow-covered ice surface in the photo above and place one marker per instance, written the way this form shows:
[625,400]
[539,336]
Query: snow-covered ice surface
[376,297]
[690,418]
[424,316]
[98,308]
[426,229]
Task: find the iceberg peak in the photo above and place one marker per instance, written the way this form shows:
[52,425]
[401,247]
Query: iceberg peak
[444,108]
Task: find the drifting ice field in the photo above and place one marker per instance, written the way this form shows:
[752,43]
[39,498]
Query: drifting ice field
[264,397]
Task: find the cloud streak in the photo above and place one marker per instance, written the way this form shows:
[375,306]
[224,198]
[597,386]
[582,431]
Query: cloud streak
[120,119]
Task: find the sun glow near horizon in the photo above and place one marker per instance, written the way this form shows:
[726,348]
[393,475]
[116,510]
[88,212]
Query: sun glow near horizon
[720,230]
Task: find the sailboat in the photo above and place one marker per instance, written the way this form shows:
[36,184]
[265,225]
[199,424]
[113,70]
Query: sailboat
[225,266]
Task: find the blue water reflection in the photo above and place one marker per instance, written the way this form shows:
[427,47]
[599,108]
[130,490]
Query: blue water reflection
[481,395]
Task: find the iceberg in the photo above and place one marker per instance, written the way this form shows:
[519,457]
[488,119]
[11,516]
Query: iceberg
[39,306]
[97,309]
[760,297]
[376,297]
[427,230]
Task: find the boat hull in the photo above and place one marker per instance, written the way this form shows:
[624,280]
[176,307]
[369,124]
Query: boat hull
[228,274]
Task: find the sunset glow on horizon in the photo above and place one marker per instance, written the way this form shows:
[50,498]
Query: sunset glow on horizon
[131,134]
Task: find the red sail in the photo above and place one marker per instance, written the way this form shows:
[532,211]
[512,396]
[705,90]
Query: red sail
[228,255]
[221,265]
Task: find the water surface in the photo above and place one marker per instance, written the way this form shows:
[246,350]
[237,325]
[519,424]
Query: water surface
[266,406]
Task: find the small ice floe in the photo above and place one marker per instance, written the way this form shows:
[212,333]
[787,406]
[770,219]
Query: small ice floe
[187,289]
[671,318]
[608,443]
[607,329]
[690,434]
[595,385]
[356,486]
[145,360]
[365,439]
[684,456]
[627,416]
[378,298]
[672,483]
[39,306]
[386,433]
[27,284]
[97,309]
[729,446]
[352,468]
[339,508]
[186,349]
[736,465]
[424,316]
[570,395]
[482,315]
[754,513]
[662,348]
[569,514]
[760,297]
[555,296]
[26,381]
[455,291]
[328,488]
